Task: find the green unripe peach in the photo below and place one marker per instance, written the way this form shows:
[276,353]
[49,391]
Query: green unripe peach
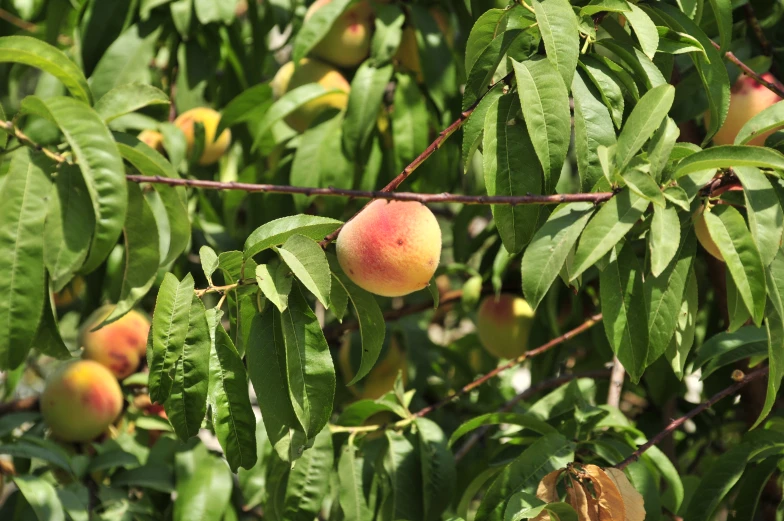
[391,248]
[381,379]
[118,346]
[347,43]
[309,70]
[81,400]
[504,324]
[747,99]
[703,235]
[214,147]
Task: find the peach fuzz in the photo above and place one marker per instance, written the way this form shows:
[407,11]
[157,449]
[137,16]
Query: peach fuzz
[214,147]
[747,99]
[347,43]
[308,71]
[391,248]
[504,324]
[703,235]
[119,346]
[81,400]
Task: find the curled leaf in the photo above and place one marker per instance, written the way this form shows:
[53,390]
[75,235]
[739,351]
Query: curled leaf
[584,504]
[610,501]
[632,500]
[547,492]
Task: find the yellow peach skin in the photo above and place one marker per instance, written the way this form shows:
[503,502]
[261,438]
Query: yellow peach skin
[747,99]
[391,248]
[504,324]
[703,235]
[69,294]
[347,43]
[152,139]
[119,346]
[381,379]
[311,71]
[213,148]
[80,401]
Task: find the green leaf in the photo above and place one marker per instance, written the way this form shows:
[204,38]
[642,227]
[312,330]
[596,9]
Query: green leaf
[141,253]
[316,27]
[69,226]
[644,28]
[364,102]
[401,463]
[439,475]
[100,162]
[36,53]
[643,122]
[723,348]
[278,231]
[606,228]
[388,33]
[309,264]
[250,105]
[308,481]
[730,156]
[24,193]
[728,230]
[546,454]
[560,32]
[593,127]
[545,102]
[127,98]
[170,324]
[638,63]
[769,119]
[232,416]
[774,324]
[674,42]
[411,121]
[352,495]
[722,13]
[484,31]
[47,338]
[474,128]
[126,60]
[338,299]
[187,402]
[275,282]
[745,505]
[41,496]
[30,447]
[545,256]
[153,476]
[624,312]
[598,6]
[507,152]
[683,339]
[660,148]
[639,180]
[309,370]
[766,219]
[204,486]
[604,80]
[113,459]
[285,105]
[720,477]
[664,238]
[527,421]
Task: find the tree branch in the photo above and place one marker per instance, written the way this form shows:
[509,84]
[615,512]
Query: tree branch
[616,383]
[675,424]
[753,22]
[774,86]
[8,128]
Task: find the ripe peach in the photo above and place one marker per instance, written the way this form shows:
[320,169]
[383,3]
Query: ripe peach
[747,99]
[73,291]
[504,324]
[152,139]
[81,400]
[311,71]
[382,377]
[391,248]
[703,235]
[408,52]
[214,147]
[347,43]
[120,345]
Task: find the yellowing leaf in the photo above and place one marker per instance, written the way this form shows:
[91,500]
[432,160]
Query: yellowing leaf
[632,500]
[611,507]
[547,492]
[586,506]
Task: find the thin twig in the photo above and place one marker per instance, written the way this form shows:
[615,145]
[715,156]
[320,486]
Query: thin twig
[616,383]
[8,127]
[675,424]
[753,22]
[22,404]
[774,86]
[29,27]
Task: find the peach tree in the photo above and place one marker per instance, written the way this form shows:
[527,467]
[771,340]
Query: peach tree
[391,260]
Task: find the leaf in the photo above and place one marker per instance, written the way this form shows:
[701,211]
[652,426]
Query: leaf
[665,236]
[126,60]
[474,128]
[632,500]
[720,348]
[728,230]
[439,476]
[25,191]
[719,477]
[638,178]
[278,231]
[674,42]
[644,28]
[286,104]
[100,163]
[316,27]
[352,495]
[722,12]
[127,98]
[308,481]
[606,228]
[730,156]
[411,121]
[309,263]
[249,105]
[187,402]
[766,219]
[560,33]
[683,339]
[639,64]
[364,102]
[29,447]
[275,282]
[606,84]
[141,253]
[775,329]
[527,421]
[151,476]
[232,416]
[746,503]
[170,323]
[484,31]
[47,338]
[585,505]
[388,33]
[768,119]
[402,466]
[643,122]
[204,486]
[623,310]
[41,496]
[544,99]
[598,6]
[548,250]
[507,152]
[660,149]
[36,53]
[593,128]
[69,226]
[608,497]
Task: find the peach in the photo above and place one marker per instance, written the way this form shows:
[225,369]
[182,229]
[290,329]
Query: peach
[152,139]
[80,401]
[504,324]
[347,43]
[747,99]
[391,248]
[69,294]
[703,235]
[381,379]
[311,71]
[119,346]
[214,147]
[407,54]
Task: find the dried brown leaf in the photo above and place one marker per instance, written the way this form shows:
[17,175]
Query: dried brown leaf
[585,505]
[547,492]
[610,501]
[632,500]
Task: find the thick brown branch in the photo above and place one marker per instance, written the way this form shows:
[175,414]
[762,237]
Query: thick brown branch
[675,424]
